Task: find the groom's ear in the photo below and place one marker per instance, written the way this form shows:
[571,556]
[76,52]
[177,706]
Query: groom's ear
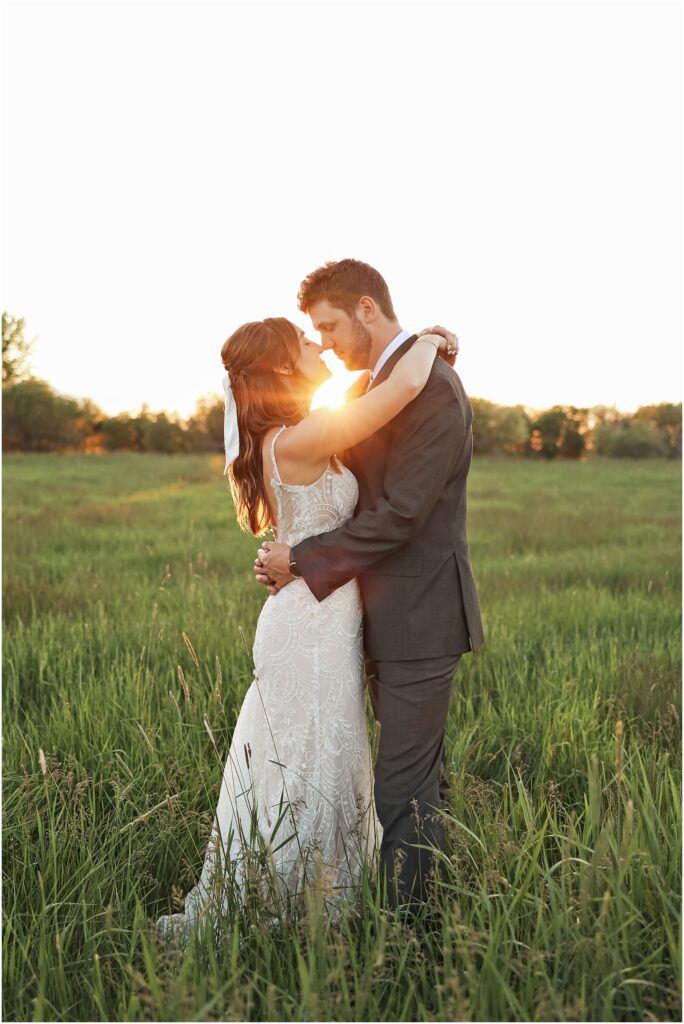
[367,310]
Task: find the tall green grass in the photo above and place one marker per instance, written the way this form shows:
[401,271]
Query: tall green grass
[560,888]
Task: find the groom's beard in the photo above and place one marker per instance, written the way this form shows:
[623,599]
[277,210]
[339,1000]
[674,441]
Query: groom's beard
[358,353]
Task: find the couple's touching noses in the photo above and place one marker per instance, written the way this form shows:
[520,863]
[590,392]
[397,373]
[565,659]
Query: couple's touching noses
[369,507]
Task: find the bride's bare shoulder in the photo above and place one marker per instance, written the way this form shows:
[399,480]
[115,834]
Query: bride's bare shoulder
[268,437]
[267,447]
[296,463]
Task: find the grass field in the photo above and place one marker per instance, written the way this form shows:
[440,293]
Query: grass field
[561,897]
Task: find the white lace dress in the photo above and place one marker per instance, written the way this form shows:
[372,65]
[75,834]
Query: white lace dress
[296,802]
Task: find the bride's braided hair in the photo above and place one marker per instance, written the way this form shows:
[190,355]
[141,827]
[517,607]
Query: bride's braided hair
[253,356]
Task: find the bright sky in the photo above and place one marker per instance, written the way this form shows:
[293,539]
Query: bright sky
[514,170]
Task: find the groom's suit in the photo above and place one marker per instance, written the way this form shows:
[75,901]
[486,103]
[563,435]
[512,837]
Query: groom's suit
[407,545]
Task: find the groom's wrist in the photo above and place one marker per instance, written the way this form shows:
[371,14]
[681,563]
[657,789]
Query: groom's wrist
[293,567]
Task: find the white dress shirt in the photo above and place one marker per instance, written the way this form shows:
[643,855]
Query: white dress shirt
[394,344]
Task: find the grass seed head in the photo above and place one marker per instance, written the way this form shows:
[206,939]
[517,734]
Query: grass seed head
[191,649]
[619,737]
[210,733]
[183,682]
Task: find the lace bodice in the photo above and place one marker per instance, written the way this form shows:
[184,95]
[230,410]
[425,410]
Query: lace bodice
[305,510]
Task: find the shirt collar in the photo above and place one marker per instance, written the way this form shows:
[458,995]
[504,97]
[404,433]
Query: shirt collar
[394,344]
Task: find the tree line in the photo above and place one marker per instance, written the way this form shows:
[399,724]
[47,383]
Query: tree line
[36,418]
[568,432]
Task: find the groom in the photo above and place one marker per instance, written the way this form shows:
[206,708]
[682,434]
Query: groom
[407,545]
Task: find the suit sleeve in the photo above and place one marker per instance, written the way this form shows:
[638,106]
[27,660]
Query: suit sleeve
[434,431]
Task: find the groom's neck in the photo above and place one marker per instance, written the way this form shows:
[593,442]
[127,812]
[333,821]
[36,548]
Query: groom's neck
[382,336]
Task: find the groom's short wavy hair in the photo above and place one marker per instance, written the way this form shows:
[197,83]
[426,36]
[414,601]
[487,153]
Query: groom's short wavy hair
[342,283]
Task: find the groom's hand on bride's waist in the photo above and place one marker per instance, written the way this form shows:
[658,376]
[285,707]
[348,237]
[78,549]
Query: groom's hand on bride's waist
[272,566]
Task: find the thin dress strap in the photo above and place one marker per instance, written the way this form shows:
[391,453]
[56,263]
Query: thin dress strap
[276,474]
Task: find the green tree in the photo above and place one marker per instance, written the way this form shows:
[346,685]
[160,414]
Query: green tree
[667,419]
[575,431]
[512,429]
[547,432]
[121,433]
[631,439]
[36,419]
[498,428]
[161,433]
[484,426]
[601,414]
[560,431]
[16,350]
[204,429]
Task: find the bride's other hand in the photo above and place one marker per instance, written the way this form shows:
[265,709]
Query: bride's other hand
[448,350]
[262,577]
[272,566]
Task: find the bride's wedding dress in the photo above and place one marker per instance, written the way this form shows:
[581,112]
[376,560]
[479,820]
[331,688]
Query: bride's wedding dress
[296,801]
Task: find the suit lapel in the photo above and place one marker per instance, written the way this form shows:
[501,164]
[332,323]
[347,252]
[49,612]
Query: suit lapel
[394,358]
[363,456]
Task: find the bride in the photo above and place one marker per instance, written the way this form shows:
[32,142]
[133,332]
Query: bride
[296,801]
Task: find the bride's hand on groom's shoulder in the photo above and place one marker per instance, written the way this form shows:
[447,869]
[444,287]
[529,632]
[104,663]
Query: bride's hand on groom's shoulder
[449,350]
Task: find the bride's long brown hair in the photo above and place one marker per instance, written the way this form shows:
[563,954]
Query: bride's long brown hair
[264,397]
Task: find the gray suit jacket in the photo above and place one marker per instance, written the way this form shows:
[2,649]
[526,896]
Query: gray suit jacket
[407,542]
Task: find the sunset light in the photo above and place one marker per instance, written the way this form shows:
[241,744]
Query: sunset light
[331,394]
[406,617]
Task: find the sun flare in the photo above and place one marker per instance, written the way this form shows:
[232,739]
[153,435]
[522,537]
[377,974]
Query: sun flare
[331,394]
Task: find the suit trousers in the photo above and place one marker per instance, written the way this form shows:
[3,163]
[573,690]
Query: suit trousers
[411,701]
